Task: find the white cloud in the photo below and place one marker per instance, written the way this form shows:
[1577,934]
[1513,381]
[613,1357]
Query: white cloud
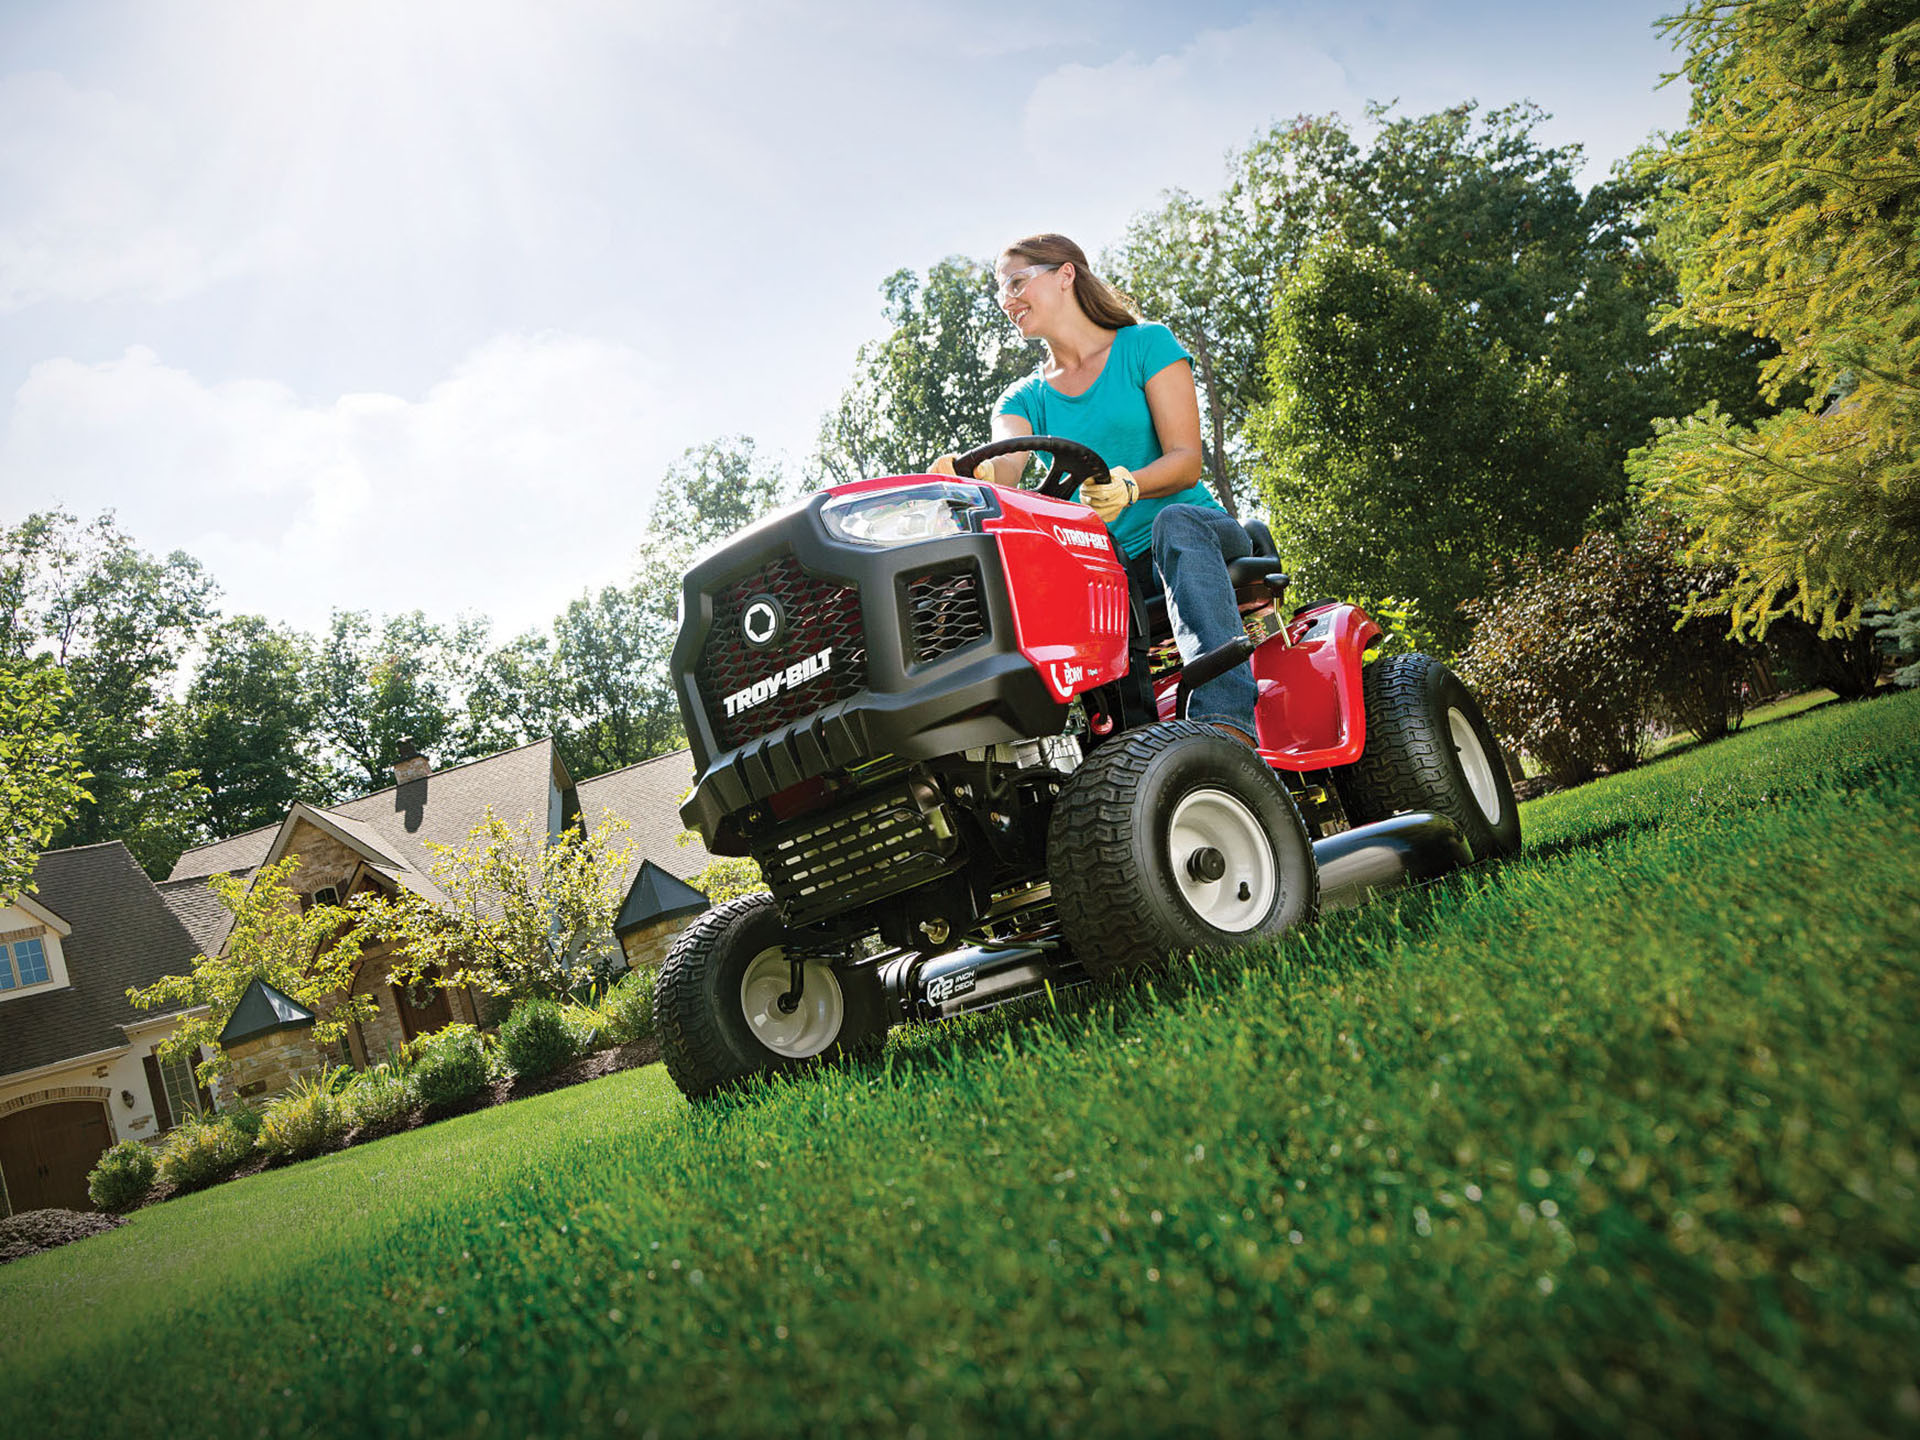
[506,488]
[1113,136]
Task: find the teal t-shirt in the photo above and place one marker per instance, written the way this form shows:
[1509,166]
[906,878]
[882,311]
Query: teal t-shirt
[1112,418]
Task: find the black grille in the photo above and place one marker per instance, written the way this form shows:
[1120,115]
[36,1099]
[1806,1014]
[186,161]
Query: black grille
[946,613]
[825,867]
[821,615]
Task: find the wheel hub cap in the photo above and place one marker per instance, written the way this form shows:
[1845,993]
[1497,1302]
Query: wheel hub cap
[1475,764]
[812,1025]
[1233,887]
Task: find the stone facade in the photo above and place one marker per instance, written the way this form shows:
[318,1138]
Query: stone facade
[267,1065]
[324,860]
[646,948]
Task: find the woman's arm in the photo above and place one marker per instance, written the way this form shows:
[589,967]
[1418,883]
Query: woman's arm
[1175,406]
[1007,469]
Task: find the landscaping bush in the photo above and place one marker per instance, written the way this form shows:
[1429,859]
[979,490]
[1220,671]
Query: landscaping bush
[378,1096]
[204,1149]
[306,1120]
[451,1065]
[1572,659]
[538,1039]
[123,1176]
[626,1011]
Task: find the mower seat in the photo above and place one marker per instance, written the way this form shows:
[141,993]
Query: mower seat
[1248,575]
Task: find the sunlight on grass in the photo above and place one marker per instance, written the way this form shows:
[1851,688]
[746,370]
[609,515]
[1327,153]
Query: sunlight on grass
[1619,1133]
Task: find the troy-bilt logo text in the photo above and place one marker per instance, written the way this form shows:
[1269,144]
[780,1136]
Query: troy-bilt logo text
[798,673]
[1085,539]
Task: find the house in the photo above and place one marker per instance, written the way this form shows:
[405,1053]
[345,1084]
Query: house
[78,1068]
[77,1063]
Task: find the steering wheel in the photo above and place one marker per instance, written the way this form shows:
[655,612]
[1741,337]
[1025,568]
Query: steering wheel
[1073,465]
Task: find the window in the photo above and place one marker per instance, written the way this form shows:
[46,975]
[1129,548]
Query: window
[30,959]
[23,963]
[183,1094]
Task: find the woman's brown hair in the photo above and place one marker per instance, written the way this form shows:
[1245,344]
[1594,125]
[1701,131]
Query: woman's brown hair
[1103,304]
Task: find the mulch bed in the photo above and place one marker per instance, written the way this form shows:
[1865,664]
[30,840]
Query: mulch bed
[32,1231]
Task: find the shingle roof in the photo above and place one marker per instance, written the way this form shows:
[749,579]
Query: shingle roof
[124,934]
[647,797]
[399,821]
[199,909]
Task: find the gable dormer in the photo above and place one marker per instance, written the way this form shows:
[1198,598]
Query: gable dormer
[32,959]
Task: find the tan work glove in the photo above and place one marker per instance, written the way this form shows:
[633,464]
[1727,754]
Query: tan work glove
[944,466]
[1108,500]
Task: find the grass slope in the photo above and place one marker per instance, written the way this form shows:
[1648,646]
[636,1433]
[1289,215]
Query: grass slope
[1617,1138]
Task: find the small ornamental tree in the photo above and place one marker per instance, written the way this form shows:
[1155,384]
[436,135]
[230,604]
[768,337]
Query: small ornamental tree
[310,954]
[525,912]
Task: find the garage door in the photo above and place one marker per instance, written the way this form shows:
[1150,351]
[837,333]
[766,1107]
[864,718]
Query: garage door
[47,1151]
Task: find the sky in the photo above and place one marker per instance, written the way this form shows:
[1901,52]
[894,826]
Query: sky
[407,304]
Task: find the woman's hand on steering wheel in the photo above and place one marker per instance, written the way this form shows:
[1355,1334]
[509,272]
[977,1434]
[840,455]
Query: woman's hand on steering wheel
[1074,464]
[945,466]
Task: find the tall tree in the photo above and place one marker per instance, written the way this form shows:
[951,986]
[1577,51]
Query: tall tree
[1798,219]
[118,621]
[1398,457]
[612,648]
[247,726]
[928,387]
[375,686]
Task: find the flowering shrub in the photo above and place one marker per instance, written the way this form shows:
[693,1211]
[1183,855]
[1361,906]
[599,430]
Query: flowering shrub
[204,1149]
[307,1119]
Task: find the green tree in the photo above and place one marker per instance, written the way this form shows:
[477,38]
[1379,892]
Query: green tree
[40,770]
[1398,457]
[246,727]
[375,686]
[928,387]
[612,648]
[311,953]
[1796,217]
[524,912]
[118,621]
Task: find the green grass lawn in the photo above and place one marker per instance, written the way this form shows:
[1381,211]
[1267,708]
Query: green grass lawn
[1616,1138]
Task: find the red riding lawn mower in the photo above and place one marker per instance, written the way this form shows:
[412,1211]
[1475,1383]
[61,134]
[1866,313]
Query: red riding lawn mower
[907,701]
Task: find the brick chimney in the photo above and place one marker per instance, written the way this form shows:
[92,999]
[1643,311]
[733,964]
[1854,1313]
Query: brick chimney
[411,765]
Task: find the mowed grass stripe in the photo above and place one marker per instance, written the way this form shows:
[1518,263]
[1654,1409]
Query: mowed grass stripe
[1620,1134]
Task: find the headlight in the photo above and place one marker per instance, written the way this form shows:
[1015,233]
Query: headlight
[901,517]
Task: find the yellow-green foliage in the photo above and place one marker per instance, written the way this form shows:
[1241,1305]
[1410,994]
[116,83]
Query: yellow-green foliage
[524,912]
[728,877]
[450,1065]
[378,1096]
[625,1012]
[204,1149]
[307,1119]
[310,954]
[1796,213]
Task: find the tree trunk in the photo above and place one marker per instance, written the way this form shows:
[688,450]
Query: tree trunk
[1216,413]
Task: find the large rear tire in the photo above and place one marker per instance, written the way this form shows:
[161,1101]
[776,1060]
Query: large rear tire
[716,1002]
[1174,838]
[1430,748]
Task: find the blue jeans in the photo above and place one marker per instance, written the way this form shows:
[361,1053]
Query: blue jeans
[1191,547]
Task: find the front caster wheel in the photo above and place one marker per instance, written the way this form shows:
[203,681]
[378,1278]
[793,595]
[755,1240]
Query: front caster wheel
[1174,838]
[717,1001]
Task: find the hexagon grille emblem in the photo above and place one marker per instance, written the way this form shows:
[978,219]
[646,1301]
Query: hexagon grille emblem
[762,621]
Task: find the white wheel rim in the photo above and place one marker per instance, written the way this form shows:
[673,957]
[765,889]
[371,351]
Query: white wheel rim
[1241,898]
[814,1024]
[1476,764]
